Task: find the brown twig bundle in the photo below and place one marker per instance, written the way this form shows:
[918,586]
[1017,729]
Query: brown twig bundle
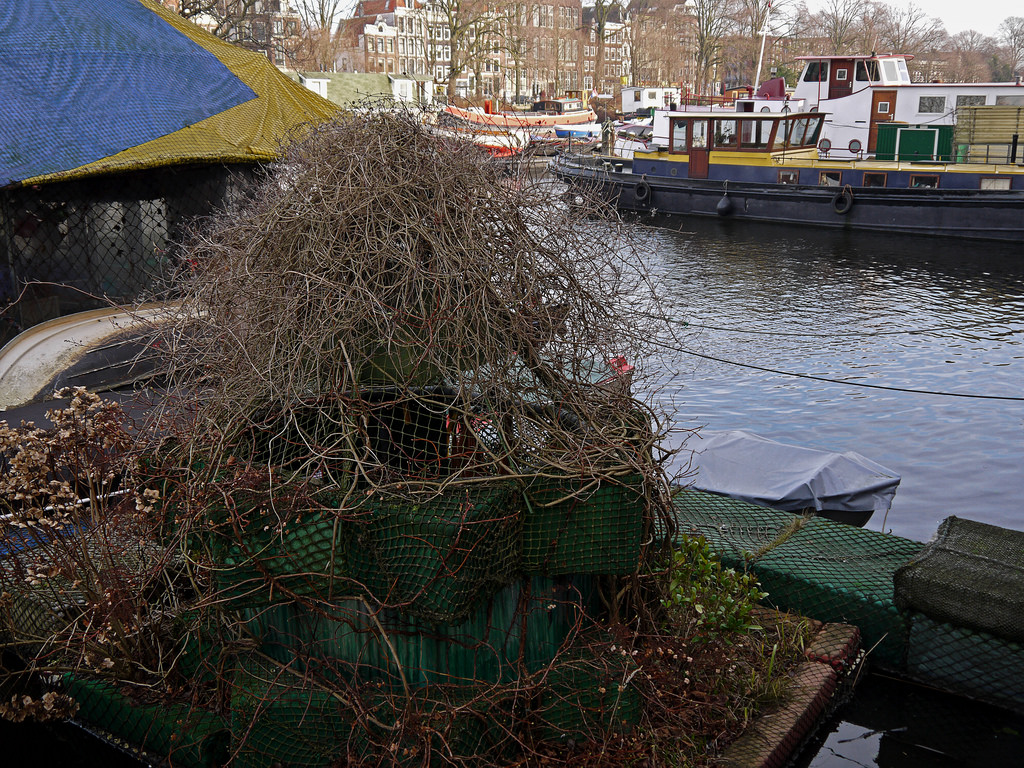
[393,311]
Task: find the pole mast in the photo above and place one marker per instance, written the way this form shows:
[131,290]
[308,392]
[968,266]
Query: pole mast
[760,57]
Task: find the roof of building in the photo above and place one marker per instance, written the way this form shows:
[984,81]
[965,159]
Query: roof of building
[350,88]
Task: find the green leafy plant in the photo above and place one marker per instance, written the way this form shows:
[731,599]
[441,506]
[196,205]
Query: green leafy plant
[705,600]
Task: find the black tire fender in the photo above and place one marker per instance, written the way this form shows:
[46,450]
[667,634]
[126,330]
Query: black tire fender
[642,192]
[842,203]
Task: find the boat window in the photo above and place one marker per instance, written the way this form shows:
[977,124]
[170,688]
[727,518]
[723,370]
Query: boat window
[992,182]
[803,131]
[830,178]
[970,101]
[754,134]
[874,179]
[789,177]
[698,134]
[867,71]
[932,105]
[904,72]
[924,181]
[725,133]
[795,132]
[814,125]
[816,72]
[841,74]
[890,71]
[883,108]
[677,140]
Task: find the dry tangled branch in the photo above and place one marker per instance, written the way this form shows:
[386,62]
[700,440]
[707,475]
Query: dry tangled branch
[389,312]
[403,471]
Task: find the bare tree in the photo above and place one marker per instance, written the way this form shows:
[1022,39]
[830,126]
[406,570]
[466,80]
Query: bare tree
[605,13]
[838,23]
[1011,35]
[321,34]
[969,63]
[910,30]
[516,41]
[759,22]
[713,22]
[224,18]
[469,25]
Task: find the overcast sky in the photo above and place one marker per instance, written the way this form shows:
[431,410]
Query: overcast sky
[983,16]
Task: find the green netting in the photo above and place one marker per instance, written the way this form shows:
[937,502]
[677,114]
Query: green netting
[436,559]
[280,719]
[571,527]
[966,661]
[735,530]
[811,566]
[585,697]
[971,575]
[525,623]
[302,558]
[185,735]
[835,572]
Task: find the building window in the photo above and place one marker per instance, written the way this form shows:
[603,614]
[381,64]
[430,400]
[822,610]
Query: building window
[278,27]
[874,179]
[924,181]
[830,178]
[789,177]
[931,105]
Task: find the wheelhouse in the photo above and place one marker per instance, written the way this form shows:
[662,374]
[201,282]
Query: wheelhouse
[558,106]
[743,132]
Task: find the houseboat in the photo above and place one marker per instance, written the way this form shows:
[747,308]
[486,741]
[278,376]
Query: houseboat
[858,94]
[546,113]
[766,166]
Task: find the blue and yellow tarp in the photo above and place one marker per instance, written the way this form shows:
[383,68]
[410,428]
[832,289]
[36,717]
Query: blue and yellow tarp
[121,85]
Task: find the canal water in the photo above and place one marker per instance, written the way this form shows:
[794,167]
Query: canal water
[909,351]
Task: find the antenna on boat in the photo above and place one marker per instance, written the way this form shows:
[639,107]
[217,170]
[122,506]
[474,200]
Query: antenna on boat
[760,56]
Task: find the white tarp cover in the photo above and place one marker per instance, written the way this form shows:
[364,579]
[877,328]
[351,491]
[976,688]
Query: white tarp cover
[745,466]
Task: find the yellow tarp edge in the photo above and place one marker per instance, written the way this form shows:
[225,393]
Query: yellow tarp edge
[250,132]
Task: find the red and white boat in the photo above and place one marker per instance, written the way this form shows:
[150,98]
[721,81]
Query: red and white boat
[547,113]
[497,142]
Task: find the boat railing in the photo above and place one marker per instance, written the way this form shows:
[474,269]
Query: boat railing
[989,154]
[695,100]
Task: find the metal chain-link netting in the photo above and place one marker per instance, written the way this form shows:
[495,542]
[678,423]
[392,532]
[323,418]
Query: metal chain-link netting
[71,246]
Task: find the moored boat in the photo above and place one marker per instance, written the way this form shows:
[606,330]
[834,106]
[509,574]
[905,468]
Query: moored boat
[846,487]
[863,93]
[546,113]
[766,166]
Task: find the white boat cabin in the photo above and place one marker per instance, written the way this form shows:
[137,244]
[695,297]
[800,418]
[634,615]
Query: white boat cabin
[637,99]
[860,92]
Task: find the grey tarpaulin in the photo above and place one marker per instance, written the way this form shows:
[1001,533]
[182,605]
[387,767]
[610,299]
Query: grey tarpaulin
[745,466]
